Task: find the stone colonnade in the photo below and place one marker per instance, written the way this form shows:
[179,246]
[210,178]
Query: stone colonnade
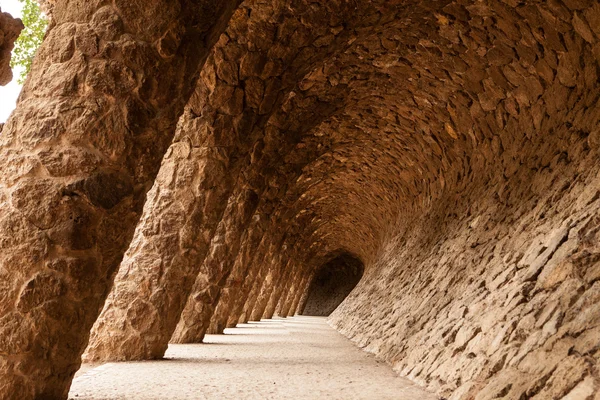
[176,167]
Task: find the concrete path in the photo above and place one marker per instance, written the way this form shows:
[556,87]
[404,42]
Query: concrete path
[294,358]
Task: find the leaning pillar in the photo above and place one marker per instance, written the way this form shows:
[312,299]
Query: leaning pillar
[216,269]
[77,156]
[252,296]
[173,237]
[230,293]
[263,296]
[261,283]
[277,293]
[281,293]
[263,302]
[304,295]
[291,295]
[246,90]
[286,294]
[236,316]
[299,291]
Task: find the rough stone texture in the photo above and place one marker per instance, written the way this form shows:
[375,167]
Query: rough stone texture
[303,285]
[200,307]
[77,156]
[231,292]
[451,146]
[459,190]
[331,284]
[498,301]
[486,287]
[240,120]
[303,297]
[10,28]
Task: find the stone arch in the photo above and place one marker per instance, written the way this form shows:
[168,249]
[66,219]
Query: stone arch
[332,283]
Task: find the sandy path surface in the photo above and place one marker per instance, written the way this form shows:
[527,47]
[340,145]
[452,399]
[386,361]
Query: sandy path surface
[295,358]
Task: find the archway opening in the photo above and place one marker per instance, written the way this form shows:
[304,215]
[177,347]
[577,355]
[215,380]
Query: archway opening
[332,283]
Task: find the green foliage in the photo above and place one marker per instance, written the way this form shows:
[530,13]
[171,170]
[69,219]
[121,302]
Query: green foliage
[27,44]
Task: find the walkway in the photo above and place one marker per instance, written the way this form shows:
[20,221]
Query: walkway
[295,358]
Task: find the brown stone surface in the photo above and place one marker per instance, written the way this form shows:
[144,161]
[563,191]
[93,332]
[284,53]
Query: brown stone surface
[331,284]
[452,147]
[483,169]
[10,28]
[237,100]
[201,302]
[498,301]
[94,119]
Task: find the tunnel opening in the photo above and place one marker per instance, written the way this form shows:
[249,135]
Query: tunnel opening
[332,283]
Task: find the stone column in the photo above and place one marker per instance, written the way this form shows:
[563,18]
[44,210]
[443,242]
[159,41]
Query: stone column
[304,295]
[276,294]
[77,156]
[263,297]
[253,295]
[162,263]
[261,284]
[285,293]
[237,312]
[230,293]
[272,301]
[160,306]
[263,305]
[298,294]
[201,303]
[241,281]
[291,294]
[246,86]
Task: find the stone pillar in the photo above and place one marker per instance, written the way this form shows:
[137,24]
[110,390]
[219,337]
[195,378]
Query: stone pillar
[218,321]
[304,295]
[237,312]
[291,297]
[272,301]
[252,296]
[300,289]
[277,292]
[262,284]
[263,297]
[230,293]
[246,88]
[77,156]
[259,284]
[236,122]
[263,305]
[201,303]
[170,242]
[291,294]
[282,292]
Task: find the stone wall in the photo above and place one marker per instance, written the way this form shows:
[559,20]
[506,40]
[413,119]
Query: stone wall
[462,170]
[331,284]
[493,291]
